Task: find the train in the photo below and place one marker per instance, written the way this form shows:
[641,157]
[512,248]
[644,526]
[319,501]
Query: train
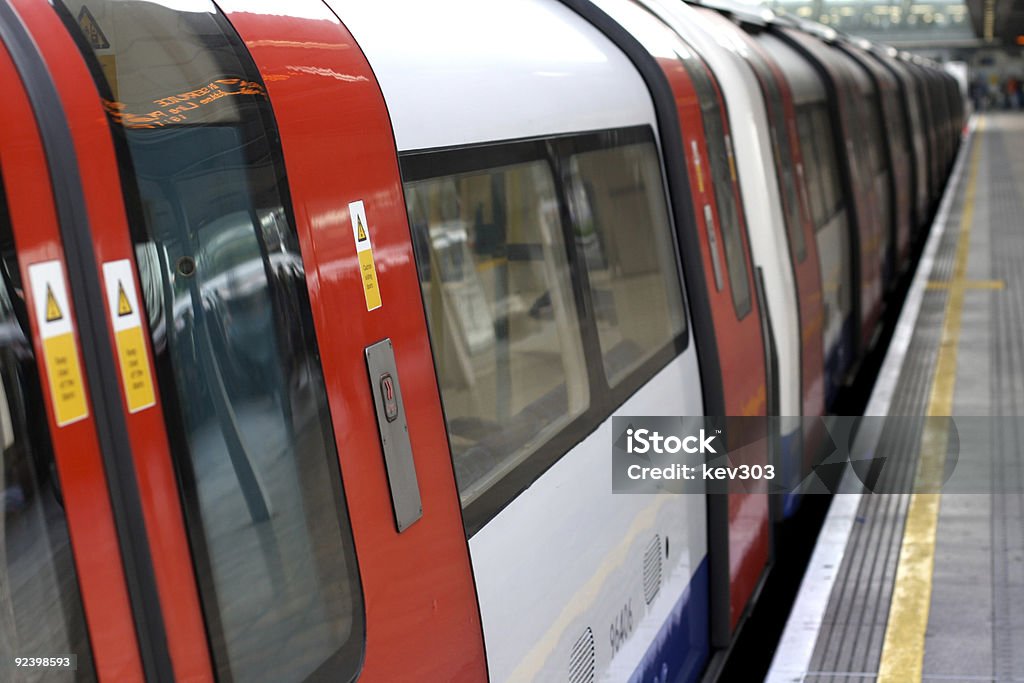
[316,315]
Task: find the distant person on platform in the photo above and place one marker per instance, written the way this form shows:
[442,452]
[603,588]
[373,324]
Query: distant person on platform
[1012,89]
[977,91]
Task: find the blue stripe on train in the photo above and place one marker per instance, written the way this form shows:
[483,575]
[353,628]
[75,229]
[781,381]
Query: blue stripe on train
[680,650]
[837,361]
[791,459]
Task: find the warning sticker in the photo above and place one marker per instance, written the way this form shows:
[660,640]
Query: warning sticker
[696,163]
[132,354]
[91,29]
[367,269]
[60,353]
[100,44]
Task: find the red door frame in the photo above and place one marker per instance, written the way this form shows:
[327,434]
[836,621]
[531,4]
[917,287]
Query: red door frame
[749,513]
[90,519]
[165,528]
[422,619]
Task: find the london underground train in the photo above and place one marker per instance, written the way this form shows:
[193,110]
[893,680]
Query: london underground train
[316,316]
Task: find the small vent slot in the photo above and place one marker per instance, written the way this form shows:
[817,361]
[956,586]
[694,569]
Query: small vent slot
[652,569]
[581,661]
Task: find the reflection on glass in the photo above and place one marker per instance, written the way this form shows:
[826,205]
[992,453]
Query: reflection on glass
[618,207]
[782,153]
[40,608]
[503,324]
[823,138]
[722,166]
[225,294]
[817,166]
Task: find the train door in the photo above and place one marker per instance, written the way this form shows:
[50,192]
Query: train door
[737,519]
[268,256]
[748,533]
[66,610]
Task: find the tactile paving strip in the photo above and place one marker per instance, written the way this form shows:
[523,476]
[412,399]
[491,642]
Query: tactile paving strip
[849,644]
[1006,147]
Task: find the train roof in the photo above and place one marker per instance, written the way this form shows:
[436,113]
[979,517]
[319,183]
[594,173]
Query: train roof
[751,14]
[493,71]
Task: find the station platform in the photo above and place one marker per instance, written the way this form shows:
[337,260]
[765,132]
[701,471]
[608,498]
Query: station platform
[915,585]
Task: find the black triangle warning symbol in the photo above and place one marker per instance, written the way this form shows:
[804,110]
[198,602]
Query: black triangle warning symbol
[124,307]
[91,29]
[53,312]
[360,229]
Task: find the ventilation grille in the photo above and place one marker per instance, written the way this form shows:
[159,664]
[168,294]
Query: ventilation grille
[652,569]
[581,661]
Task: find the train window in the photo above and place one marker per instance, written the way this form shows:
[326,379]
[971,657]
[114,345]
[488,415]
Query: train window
[493,263]
[722,166]
[548,272]
[894,120]
[225,293]
[40,605]
[813,153]
[632,274]
[875,134]
[784,166]
[827,165]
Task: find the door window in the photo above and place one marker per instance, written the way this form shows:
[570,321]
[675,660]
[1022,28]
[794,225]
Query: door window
[618,204]
[502,315]
[722,164]
[40,606]
[225,293]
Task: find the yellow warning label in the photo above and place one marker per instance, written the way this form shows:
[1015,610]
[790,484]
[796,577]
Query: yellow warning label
[132,354]
[51,307]
[732,160]
[138,385]
[124,307]
[53,312]
[697,166]
[65,379]
[91,29]
[369,274]
[364,250]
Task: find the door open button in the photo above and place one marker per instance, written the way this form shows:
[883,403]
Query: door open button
[387,395]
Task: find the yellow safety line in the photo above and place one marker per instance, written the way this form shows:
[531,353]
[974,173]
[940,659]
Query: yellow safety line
[968,284]
[903,650]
